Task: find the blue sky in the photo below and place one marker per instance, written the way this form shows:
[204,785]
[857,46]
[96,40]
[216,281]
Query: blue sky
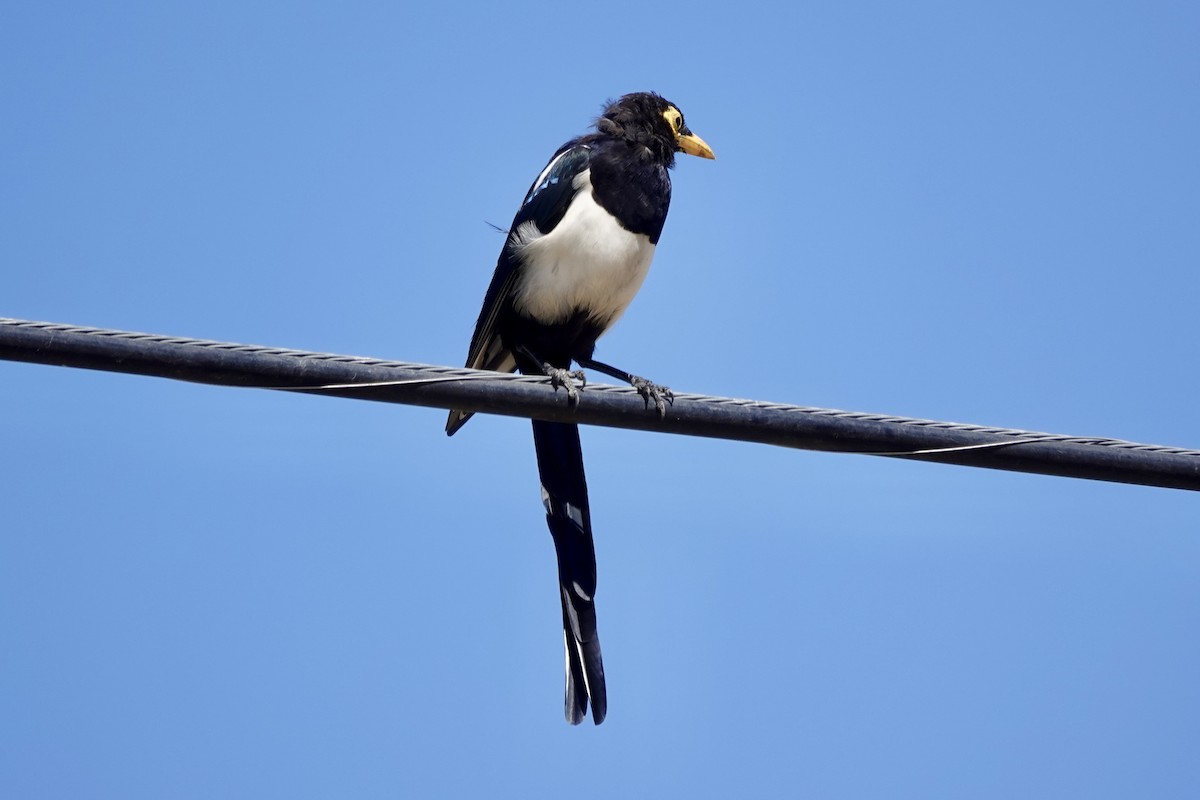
[954,211]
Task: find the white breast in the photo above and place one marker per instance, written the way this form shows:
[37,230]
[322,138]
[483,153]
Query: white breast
[587,263]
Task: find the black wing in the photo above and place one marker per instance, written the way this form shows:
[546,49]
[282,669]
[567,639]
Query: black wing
[545,205]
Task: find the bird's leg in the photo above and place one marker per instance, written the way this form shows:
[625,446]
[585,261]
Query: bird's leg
[558,375]
[661,395]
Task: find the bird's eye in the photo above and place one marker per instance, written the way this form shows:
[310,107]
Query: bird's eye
[678,121]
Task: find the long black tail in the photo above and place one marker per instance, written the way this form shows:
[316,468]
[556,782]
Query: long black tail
[564,493]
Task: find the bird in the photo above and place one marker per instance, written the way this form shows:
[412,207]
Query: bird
[576,253]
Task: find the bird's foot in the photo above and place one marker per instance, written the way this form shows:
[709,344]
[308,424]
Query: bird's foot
[566,379]
[661,395]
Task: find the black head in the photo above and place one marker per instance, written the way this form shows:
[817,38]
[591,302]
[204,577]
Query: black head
[649,120]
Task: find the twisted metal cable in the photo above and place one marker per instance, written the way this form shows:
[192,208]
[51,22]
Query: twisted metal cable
[254,366]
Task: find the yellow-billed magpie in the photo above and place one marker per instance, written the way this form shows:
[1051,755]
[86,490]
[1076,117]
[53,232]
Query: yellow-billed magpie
[576,254]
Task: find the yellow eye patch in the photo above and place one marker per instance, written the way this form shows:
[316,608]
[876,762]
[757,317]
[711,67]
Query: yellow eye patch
[673,118]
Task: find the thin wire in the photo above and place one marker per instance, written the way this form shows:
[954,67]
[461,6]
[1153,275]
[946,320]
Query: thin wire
[698,398]
[227,363]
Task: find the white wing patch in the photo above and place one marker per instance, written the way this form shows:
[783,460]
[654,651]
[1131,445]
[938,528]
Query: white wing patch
[542,181]
[587,263]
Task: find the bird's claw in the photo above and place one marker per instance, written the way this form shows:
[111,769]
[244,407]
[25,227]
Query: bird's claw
[566,379]
[661,395]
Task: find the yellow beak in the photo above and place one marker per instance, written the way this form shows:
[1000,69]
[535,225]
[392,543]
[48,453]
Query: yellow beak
[693,145]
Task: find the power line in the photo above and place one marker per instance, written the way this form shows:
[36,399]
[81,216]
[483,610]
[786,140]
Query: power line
[228,364]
